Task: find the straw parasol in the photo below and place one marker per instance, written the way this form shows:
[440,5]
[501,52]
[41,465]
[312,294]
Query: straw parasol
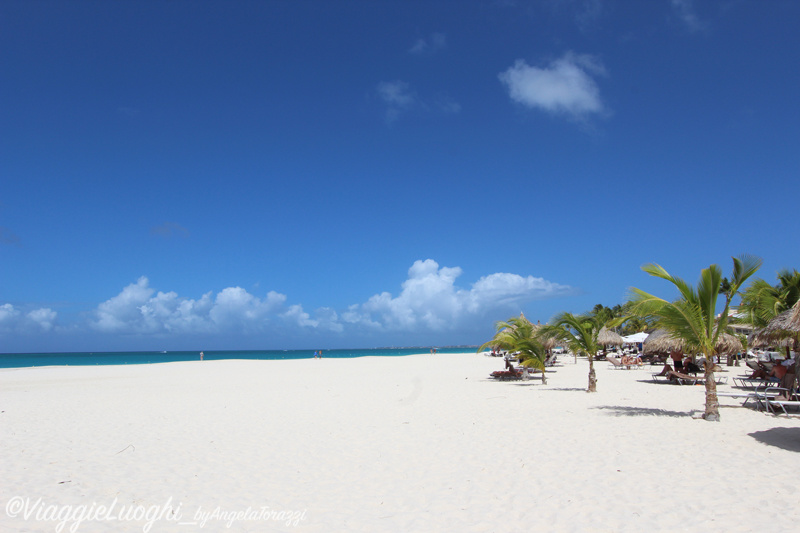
[781,330]
[661,341]
[607,337]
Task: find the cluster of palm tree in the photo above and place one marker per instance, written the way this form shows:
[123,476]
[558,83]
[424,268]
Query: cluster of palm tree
[605,315]
[578,333]
[691,318]
[519,335]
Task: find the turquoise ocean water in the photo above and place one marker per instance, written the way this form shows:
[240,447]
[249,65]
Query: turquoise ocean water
[137,358]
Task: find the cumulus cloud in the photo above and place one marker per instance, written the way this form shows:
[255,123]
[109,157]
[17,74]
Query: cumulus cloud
[7,314]
[429,299]
[433,43]
[13,320]
[565,86]
[138,308]
[43,318]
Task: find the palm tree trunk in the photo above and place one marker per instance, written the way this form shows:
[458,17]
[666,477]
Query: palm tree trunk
[592,375]
[712,402]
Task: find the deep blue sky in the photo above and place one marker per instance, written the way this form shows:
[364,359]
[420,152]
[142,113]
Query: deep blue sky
[314,174]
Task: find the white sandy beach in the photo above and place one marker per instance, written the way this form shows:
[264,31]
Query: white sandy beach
[417,443]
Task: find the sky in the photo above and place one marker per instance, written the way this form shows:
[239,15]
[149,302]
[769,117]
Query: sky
[312,174]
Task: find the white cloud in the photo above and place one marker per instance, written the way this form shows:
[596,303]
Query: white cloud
[7,315]
[433,43]
[43,318]
[685,10]
[397,96]
[12,320]
[328,319]
[137,310]
[430,299]
[124,310]
[235,306]
[565,86]
[296,315]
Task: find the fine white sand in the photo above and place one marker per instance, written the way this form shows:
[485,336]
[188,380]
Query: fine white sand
[417,443]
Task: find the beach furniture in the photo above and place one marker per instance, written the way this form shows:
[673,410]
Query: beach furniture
[661,376]
[775,398]
[688,379]
[743,394]
[616,363]
[517,374]
[750,383]
[507,375]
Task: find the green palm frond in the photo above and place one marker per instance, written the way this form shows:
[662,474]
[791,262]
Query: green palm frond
[692,317]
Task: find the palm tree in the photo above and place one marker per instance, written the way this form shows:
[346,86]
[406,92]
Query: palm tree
[517,334]
[761,302]
[579,333]
[692,317]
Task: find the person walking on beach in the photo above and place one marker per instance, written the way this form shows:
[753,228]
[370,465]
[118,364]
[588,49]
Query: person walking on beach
[315,354]
[201,356]
[320,354]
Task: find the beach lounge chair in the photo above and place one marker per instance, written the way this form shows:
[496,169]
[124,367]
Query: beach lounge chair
[745,382]
[780,397]
[690,379]
[506,375]
[663,375]
[685,379]
[744,394]
[616,363]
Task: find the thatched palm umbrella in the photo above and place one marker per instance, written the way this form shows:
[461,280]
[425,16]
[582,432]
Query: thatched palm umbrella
[606,338]
[661,342]
[780,330]
[783,330]
[794,321]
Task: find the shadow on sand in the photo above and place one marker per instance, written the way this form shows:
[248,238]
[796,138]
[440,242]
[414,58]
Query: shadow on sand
[786,438]
[626,410]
